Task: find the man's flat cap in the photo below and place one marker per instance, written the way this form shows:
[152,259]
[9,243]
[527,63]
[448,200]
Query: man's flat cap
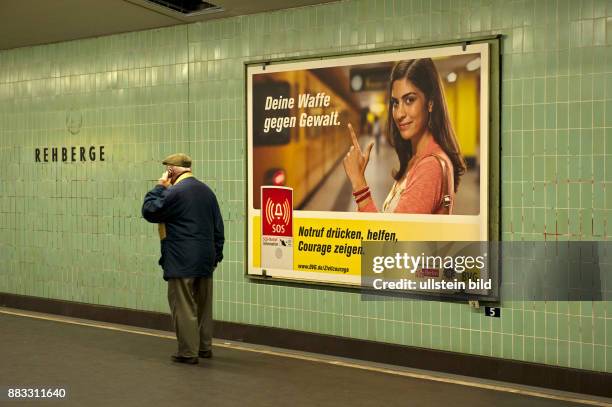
[178,160]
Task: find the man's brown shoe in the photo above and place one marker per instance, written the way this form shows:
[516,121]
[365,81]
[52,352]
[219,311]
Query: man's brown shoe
[185,359]
[207,354]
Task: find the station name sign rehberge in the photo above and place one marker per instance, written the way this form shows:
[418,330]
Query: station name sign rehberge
[69,154]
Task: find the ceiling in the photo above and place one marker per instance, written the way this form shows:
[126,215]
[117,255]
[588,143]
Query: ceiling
[33,22]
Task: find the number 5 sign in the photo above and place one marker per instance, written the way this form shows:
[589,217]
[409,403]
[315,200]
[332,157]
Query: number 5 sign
[277,227]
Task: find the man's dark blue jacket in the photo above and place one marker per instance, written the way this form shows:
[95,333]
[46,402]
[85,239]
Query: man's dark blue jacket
[193,243]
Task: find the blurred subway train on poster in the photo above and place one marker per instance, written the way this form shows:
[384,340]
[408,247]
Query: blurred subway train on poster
[298,157]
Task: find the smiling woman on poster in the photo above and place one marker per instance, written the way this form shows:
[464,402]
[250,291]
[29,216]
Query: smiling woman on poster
[430,163]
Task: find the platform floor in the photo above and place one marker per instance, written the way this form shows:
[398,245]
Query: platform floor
[109,366]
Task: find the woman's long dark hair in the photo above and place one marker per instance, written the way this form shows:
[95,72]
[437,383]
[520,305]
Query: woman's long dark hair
[424,75]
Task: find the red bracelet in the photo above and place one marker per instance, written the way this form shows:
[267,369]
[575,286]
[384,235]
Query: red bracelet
[363,197]
[361,191]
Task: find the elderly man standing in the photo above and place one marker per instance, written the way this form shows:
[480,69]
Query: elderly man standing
[192,237]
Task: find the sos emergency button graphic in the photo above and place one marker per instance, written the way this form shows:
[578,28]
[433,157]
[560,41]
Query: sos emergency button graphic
[277,227]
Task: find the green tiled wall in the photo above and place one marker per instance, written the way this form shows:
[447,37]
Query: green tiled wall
[74,231]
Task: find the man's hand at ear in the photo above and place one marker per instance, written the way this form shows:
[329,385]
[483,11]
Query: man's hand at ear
[164,181]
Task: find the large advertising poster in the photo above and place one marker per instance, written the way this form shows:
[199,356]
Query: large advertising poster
[380,147]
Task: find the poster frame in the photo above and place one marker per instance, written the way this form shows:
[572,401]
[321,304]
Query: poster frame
[494,146]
